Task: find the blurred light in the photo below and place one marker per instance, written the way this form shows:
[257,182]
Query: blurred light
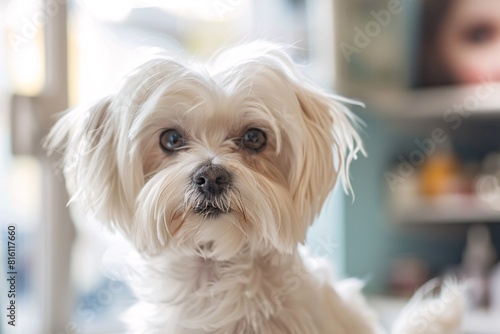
[25,180]
[108,10]
[27,68]
[207,10]
[24,23]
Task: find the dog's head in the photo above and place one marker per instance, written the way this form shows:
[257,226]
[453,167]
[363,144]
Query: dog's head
[208,159]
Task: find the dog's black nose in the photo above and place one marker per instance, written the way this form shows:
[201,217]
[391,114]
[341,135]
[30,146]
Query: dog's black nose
[212,179]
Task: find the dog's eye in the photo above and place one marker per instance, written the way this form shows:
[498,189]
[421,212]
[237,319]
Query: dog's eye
[254,139]
[171,140]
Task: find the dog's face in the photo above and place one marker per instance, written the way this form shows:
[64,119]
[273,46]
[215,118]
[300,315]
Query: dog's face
[241,152]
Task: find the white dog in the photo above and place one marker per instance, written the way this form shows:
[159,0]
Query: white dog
[215,172]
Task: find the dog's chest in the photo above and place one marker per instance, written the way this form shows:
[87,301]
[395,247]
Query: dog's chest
[250,295]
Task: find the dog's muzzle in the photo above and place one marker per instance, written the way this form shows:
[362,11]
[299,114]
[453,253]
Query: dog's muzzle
[211,182]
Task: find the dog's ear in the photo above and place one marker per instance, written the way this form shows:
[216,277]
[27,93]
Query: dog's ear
[87,139]
[330,144]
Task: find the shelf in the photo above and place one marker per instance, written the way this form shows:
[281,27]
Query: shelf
[478,100]
[446,209]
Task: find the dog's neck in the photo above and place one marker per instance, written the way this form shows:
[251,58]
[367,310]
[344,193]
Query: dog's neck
[198,272]
[207,292]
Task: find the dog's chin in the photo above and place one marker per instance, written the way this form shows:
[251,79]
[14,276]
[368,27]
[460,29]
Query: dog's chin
[213,233]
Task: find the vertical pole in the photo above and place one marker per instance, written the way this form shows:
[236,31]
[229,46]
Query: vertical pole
[57,230]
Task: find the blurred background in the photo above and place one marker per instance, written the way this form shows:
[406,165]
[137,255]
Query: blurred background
[427,197]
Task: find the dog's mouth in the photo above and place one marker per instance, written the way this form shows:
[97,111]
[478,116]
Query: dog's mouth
[210,211]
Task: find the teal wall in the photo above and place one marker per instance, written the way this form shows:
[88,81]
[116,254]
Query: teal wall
[367,234]
[326,237]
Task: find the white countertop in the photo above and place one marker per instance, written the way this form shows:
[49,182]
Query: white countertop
[475,321]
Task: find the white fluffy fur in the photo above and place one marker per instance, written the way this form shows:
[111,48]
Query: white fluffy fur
[239,272]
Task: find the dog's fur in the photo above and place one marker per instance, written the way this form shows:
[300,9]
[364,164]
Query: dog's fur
[238,271]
